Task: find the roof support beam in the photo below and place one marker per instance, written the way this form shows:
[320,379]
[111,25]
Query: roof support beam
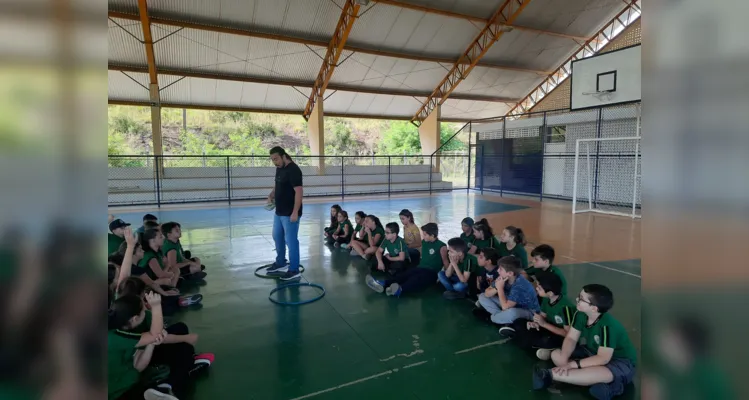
[507,13]
[266,111]
[153,78]
[302,84]
[451,14]
[349,14]
[624,18]
[309,42]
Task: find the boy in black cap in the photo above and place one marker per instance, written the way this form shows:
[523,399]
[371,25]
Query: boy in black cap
[117,237]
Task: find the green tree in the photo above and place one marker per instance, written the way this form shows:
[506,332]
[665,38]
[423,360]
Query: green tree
[340,139]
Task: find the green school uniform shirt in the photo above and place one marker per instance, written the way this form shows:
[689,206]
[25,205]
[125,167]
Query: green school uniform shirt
[532,271]
[469,239]
[430,255]
[491,243]
[375,232]
[517,251]
[121,375]
[606,332]
[558,313]
[396,247]
[469,264]
[176,246]
[341,229]
[147,256]
[113,243]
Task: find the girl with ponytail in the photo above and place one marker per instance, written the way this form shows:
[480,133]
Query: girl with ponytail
[374,235]
[513,244]
[483,237]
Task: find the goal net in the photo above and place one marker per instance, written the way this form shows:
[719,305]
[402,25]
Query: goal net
[607,176]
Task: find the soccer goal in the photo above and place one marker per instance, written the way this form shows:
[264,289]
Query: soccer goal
[607,176]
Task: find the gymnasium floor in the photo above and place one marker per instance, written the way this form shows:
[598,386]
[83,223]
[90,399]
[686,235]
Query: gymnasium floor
[355,343]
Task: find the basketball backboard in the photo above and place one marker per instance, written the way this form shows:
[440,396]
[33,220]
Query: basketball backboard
[605,79]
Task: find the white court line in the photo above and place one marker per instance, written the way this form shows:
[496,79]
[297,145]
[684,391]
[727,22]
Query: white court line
[306,396]
[503,341]
[604,267]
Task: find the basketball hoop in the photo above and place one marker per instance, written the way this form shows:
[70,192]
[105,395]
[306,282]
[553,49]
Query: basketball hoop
[600,95]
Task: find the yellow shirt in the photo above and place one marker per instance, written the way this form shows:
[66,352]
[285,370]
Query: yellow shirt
[412,236]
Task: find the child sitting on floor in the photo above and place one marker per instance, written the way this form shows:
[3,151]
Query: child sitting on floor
[116,236]
[483,237]
[513,244]
[543,257]
[412,235]
[153,262]
[359,234]
[146,219]
[374,235]
[512,296]
[412,280]
[345,231]
[547,330]
[466,226]
[489,271]
[328,232]
[596,352]
[174,256]
[455,276]
[392,256]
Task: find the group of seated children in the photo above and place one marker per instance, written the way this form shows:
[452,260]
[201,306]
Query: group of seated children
[146,358]
[587,346]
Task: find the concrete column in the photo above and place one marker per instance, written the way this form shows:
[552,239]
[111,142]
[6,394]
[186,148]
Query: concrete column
[429,135]
[316,133]
[156,123]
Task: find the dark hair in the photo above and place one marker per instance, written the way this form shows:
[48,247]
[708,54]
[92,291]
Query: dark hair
[151,225]
[468,221]
[549,282]
[344,213]
[145,237]
[123,309]
[431,229]
[545,252]
[393,227]
[132,285]
[483,227]
[333,219]
[123,248]
[111,273]
[457,244]
[510,264]
[116,258]
[408,214]
[361,214]
[517,233]
[600,296]
[280,151]
[376,220]
[149,217]
[169,227]
[490,254]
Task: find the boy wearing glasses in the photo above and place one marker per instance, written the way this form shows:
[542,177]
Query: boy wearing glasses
[596,352]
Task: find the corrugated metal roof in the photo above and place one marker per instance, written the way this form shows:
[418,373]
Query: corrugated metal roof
[525,49]
[124,49]
[474,8]
[372,71]
[128,6]
[498,83]
[372,104]
[574,17]
[122,87]
[469,109]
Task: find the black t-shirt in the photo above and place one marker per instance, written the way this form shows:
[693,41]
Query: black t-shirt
[287,178]
[488,277]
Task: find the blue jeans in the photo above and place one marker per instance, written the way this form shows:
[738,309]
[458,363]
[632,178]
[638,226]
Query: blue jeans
[286,233]
[452,283]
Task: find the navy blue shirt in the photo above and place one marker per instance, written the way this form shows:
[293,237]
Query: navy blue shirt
[487,278]
[523,294]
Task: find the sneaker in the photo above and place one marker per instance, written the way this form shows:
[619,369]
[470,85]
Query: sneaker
[202,267]
[480,313]
[394,290]
[507,331]
[544,354]
[452,295]
[159,394]
[366,256]
[541,378]
[290,275]
[336,244]
[344,246]
[208,358]
[275,269]
[186,301]
[198,368]
[374,284]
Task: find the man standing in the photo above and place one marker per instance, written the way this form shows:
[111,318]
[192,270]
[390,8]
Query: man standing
[287,196]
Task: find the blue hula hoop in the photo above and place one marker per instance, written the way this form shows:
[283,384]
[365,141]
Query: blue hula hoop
[297,303]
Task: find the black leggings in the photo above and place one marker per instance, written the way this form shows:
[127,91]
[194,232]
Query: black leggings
[535,339]
[414,279]
[392,267]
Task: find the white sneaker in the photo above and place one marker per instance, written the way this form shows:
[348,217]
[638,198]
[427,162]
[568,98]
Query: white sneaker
[543,354]
[153,394]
